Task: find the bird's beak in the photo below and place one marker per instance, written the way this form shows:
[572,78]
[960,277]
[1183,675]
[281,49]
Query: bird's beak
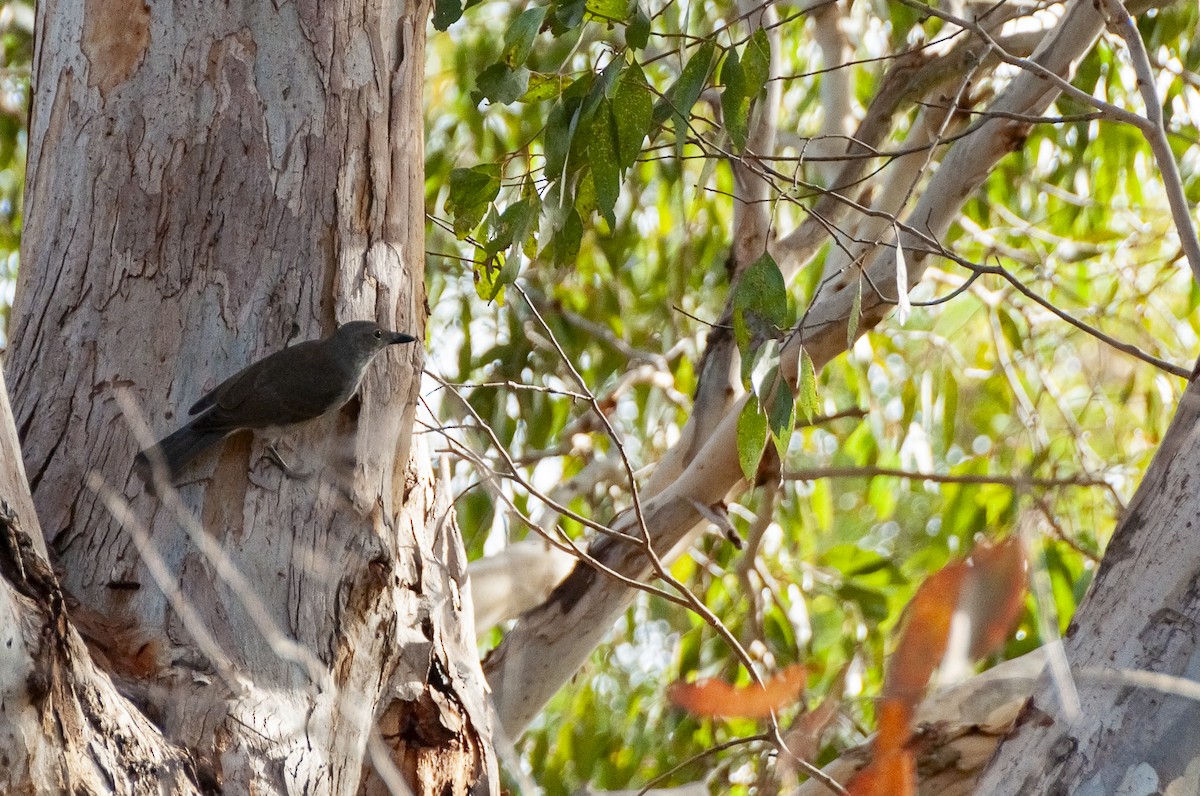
[401,337]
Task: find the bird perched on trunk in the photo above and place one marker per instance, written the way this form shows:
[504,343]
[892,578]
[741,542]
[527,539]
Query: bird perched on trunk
[299,383]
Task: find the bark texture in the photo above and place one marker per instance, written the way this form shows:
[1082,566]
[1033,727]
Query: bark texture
[207,183]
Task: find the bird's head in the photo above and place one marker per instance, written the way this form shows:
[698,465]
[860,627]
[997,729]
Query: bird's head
[367,338]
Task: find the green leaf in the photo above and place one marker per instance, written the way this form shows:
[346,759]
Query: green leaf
[488,285]
[781,416]
[637,34]
[564,124]
[568,15]
[605,169]
[514,225]
[806,393]
[751,436]
[743,79]
[949,408]
[760,303]
[564,247]
[446,13]
[609,10]
[543,87]
[529,234]
[903,19]
[1010,329]
[632,112]
[735,103]
[585,194]
[471,192]
[518,39]
[502,84]
[680,97]
[606,86]
[756,63]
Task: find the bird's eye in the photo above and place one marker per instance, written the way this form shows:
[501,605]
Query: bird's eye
[378,335]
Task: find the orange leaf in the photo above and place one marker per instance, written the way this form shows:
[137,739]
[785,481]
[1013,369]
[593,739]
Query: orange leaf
[988,591]
[894,774]
[994,595]
[717,698]
[925,631]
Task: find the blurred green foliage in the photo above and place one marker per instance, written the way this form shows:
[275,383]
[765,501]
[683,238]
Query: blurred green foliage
[16,54]
[627,264]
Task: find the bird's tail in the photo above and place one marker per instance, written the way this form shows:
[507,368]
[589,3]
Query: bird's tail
[172,453]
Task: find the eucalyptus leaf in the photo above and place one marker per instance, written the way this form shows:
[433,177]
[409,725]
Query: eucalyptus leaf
[543,87]
[518,39]
[751,436]
[632,113]
[610,10]
[760,303]
[806,393]
[471,193]
[501,83]
[637,33]
[680,98]
[446,13]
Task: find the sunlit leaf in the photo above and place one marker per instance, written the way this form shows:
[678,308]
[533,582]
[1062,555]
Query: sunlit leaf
[543,87]
[610,10]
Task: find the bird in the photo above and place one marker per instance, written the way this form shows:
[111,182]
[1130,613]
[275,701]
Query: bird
[299,383]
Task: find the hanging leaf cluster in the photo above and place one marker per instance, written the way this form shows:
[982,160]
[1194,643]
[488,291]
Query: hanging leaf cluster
[596,126]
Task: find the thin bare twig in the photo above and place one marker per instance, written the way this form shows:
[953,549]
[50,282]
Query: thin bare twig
[1015,481]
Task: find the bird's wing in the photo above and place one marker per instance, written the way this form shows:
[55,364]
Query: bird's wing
[289,386]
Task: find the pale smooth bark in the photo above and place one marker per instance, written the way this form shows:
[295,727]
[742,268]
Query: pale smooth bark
[208,183]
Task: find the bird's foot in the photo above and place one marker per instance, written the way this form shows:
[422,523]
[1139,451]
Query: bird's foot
[272,453]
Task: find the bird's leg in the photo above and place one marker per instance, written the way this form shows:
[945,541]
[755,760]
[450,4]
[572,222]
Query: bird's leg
[272,453]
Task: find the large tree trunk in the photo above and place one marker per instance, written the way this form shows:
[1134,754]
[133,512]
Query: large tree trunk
[209,182]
